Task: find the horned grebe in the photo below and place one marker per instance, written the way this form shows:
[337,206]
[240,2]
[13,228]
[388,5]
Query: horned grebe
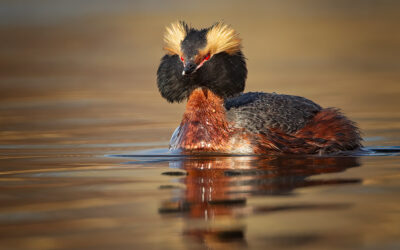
[207,68]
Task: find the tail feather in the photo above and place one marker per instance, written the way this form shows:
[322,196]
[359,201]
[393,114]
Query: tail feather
[328,132]
[331,131]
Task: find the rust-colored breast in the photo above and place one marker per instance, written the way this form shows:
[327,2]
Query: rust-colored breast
[204,127]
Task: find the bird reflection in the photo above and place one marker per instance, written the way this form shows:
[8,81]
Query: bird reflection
[218,188]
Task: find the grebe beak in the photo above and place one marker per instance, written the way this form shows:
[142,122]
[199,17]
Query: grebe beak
[189,67]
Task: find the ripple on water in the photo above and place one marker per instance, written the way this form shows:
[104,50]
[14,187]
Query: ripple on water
[163,154]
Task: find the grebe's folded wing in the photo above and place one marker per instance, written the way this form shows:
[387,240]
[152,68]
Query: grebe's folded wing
[260,112]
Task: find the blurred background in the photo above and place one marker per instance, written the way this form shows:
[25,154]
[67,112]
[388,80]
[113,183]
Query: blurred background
[83,71]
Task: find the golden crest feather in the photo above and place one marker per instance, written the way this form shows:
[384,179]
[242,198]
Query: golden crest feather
[173,37]
[222,38]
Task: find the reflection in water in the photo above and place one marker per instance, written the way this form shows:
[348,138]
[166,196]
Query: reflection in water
[217,189]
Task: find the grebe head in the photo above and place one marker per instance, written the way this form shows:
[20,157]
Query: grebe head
[207,58]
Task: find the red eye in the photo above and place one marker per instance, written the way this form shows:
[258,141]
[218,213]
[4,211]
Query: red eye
[182,59]
[207,57]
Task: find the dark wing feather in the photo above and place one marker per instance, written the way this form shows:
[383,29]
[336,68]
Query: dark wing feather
[259,112]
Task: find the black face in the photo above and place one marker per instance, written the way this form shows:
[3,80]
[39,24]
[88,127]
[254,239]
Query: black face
[193,41]
[223,74]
